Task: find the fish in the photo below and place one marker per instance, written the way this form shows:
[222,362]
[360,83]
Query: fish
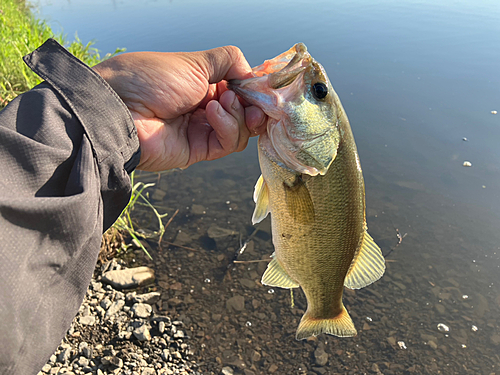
[312,185]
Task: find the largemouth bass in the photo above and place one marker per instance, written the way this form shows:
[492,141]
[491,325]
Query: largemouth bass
[312,185]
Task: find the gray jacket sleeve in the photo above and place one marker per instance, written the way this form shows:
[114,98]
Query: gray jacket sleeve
[66,150]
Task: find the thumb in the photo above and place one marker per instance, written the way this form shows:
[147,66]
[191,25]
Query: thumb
[224,63]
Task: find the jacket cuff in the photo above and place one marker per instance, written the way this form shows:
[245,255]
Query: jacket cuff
[104,117]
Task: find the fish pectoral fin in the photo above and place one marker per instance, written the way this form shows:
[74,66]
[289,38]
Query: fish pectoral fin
[276,276]
[299,202]
[261,199]
[367,266]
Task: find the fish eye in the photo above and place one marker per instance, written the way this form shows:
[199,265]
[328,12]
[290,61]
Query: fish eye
[320,90]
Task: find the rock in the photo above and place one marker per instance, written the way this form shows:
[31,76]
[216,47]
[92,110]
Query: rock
[197,209]
[148,371]
[440,308]
[227,371]
[129,278]
[391,340]
[141,310]
[115,307]
[161,326]
[182,238]
[247,283]
[46,367]
[273,368]
[63,357]
[236,303]
[112,361]
[142,333]
[495,339]
[105,303]
[222,236]
[87,320]
[149,298]
[83,362]
[256,356]
[320,370]
[321,356]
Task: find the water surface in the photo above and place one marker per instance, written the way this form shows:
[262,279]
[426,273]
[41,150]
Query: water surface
[415,78]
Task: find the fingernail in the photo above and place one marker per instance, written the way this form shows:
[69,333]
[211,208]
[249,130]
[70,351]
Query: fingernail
[236,103]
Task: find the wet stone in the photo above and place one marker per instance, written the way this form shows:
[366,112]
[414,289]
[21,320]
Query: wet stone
[222,236]
[321,357]
[273,368]
[236,303]
[440,308]
[182,239]
[495,339]
[247,283]
[149,298]
[197,209]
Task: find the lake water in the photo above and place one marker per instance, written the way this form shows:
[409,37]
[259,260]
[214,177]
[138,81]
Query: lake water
[419,81]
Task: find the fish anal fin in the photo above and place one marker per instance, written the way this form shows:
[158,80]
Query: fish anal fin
[341,325]
[276,276]
[261,199]
[299,201]
[367,266]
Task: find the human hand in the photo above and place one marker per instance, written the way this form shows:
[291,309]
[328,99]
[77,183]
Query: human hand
[181,107]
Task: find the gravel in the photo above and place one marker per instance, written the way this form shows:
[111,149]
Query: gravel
[116,332]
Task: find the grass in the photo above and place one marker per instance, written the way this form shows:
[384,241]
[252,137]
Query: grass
[125,222]
[21,33]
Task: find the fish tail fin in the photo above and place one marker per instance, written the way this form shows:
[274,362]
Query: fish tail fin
[341,325]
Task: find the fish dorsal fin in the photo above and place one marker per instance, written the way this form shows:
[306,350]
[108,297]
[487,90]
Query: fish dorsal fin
[299,202]
[367,266]
[276,276]
[261,199]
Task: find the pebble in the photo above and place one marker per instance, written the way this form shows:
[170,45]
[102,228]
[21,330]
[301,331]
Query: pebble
[129,278]
[108,316]
[236,303]
[141,310]
[87,320]
[149,298]
[321,356]
[227,371]
[467,164]
[115,307]
[142,333]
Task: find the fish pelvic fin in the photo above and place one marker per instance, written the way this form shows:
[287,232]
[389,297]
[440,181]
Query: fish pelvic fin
[367,266]
[275,275]
[341,326]
[261,199]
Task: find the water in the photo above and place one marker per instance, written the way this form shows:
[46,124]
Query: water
[415,78]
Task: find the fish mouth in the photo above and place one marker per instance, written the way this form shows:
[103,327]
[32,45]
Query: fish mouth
[277,73]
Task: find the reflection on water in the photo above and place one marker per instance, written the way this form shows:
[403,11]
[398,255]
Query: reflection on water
[415,79]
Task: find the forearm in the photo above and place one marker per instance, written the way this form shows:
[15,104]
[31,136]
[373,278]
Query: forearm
[66,148]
